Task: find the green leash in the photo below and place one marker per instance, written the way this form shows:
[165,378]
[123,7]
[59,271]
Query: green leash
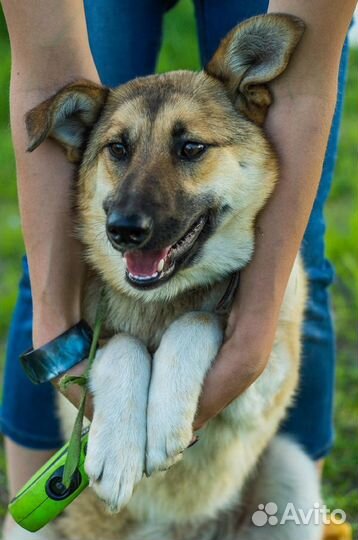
[74,446]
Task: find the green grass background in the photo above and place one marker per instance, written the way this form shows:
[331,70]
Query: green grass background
[180,50]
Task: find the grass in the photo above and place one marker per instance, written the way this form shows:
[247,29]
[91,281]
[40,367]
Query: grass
[180,50]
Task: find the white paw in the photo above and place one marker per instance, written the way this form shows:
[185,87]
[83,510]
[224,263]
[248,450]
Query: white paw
[114,465]
[116,446]
[168,436]
[187,350]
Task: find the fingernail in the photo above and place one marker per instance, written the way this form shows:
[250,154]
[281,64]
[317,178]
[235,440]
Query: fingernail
[194,441]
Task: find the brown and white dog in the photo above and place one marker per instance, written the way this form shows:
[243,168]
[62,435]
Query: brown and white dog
[172,171]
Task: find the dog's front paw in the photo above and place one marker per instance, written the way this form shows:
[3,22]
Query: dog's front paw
[169,433]
[114,464]
[116,446]
[186,352]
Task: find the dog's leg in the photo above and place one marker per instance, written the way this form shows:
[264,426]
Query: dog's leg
[186,352]
[284,494]
[116,446]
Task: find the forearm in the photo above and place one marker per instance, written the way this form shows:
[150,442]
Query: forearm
[43,60]
[298,124]
[54,255]
[300,132]
[279,232]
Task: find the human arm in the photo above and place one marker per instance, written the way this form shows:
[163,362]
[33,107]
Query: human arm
[49,49]
[298,123]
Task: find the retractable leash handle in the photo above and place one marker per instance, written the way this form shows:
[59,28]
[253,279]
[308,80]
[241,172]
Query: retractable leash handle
[44,496]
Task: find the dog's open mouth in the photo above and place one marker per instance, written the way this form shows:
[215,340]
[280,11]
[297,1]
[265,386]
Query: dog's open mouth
[147,269]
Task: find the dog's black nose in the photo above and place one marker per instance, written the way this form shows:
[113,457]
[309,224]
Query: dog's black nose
[128,231]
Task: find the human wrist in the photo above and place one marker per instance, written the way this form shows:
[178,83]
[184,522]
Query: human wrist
[57,280]
[253,335]
[48,325]
[53,315]
[253,309]
[250,335]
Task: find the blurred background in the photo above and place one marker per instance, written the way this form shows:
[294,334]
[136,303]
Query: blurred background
[180,50]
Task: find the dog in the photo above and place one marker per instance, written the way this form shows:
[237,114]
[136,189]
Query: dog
[172,171]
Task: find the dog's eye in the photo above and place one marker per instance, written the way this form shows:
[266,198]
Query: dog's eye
[117,150]
[191,150]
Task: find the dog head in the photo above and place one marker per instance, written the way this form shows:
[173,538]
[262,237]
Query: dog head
[173,168]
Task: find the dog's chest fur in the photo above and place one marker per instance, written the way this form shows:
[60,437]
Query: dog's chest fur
[148,320]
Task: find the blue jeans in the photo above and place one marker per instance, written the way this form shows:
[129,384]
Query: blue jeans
[125,39]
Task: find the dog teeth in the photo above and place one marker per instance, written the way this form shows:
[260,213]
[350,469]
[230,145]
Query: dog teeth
[161,265]
[142,278]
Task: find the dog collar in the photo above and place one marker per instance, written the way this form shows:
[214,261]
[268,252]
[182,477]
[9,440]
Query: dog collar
[224,305]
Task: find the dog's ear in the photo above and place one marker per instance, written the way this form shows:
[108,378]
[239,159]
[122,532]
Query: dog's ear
[67,117]
[253,54]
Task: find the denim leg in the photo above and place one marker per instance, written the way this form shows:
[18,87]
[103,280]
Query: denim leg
[215,19]
[125,37]
[28,411]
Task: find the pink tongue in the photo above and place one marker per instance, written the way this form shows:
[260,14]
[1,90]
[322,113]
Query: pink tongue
[144,263]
